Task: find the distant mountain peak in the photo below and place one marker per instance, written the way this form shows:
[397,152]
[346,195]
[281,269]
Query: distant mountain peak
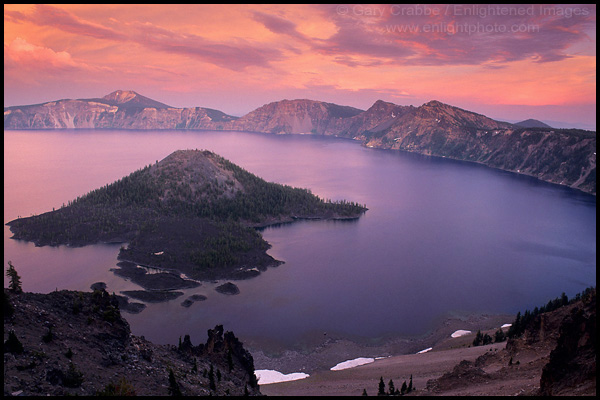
[435,103]
[532,123]
[131,98]
[121,96]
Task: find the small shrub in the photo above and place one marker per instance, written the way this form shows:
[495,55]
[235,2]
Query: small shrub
[121,388]
[69,353]
[73,378]
[13,344]
[47,338]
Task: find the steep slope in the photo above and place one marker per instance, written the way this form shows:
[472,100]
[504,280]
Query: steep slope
[379,117]
[556,352]
[294,116]
[130,98]
[193,212]
[76,343]
[554,355]
[563,156]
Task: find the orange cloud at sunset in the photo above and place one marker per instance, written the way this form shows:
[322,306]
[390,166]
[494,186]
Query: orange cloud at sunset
[238,57]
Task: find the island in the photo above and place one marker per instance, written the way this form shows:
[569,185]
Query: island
[194,215]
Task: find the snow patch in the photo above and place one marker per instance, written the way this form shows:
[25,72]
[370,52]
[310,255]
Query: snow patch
[266,376]
[352,363]
[425,351]
[506,326]
[460,333]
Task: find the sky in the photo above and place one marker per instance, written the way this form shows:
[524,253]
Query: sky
[509,62]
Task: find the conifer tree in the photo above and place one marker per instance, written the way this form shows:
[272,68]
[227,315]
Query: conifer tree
[13,344]
[15,280]
[499,336]
[487,339]
[173,385]
[478,339]
[381,391]
[391,388]
[211,378]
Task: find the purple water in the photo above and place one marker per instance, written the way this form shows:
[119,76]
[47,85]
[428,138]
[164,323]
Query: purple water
[440,236]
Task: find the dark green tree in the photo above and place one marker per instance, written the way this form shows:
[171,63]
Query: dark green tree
[391,388]
[499,336]
[229,360]
[174,389]
[410,385]
[478,339]
[13,344]
[381,391]
[487,339]
[7,308]
[15,280]
[73,377]
[211,378]
[403,388]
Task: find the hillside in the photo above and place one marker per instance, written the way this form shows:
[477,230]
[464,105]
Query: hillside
[294,116]
[555,354]
[561,156]
[193,212]
[76,343]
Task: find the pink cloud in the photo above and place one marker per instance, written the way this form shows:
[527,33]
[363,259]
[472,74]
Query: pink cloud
[235,54]
[22,54]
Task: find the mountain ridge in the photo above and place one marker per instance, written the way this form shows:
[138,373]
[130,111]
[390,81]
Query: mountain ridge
[560,156]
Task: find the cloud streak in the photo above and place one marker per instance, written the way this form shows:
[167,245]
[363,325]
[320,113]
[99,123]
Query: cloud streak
[235,55]
[238,57]
[460,35]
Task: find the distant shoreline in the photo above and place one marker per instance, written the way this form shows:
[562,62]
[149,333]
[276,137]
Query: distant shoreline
[358,141]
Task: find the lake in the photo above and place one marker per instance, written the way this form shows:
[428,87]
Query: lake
[440,236]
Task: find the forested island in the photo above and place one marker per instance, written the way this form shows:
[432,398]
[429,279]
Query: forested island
[194,212]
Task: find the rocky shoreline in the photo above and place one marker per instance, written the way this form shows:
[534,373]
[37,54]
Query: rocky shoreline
[554,355]
[320,352]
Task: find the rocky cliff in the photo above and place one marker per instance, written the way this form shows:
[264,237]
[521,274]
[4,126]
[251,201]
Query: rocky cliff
[117,110]
[571,369]
[75,343]
[295,116]
[562,156]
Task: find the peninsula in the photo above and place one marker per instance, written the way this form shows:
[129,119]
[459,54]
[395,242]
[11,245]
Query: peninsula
[194,212]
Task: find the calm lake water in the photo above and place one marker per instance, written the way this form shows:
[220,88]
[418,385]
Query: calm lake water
[440,236]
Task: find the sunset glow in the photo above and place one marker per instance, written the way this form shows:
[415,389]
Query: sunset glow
[510,62]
